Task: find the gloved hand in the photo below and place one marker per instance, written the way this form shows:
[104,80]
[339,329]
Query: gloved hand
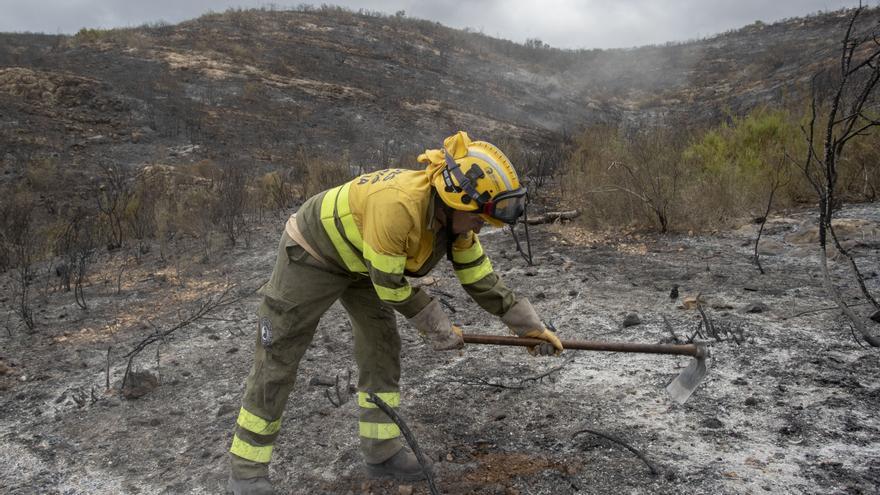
[553,346]
[522,320]
[434,326]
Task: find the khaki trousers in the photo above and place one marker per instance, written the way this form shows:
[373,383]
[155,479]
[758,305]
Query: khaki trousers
[299,292]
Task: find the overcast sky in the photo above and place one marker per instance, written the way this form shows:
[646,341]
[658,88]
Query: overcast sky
[561,23]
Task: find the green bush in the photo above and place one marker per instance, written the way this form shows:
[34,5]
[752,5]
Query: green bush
[666,177]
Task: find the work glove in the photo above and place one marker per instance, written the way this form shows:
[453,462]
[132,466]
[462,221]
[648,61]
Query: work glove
[522,320]
[434,326]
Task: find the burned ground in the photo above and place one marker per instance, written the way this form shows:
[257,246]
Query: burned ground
[789,405]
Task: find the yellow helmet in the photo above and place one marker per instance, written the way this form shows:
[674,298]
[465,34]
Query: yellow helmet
[476,176]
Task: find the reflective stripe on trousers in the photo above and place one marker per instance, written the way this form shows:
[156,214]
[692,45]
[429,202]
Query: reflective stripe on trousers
[374,424]
[254,428]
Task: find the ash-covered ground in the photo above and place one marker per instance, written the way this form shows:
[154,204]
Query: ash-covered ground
[789,406]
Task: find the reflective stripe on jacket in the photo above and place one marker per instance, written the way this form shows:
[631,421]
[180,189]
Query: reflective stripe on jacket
[381,225]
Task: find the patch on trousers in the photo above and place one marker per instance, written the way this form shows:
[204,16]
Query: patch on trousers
[265,331]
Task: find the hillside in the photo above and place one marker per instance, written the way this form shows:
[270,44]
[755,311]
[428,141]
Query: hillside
[258,85]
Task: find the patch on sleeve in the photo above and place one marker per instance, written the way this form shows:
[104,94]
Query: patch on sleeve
[265,331]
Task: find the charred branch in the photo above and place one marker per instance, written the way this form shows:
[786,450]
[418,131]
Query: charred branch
[519,385]
[639,454]
[670,330]
[553,217]
[205,306]
[813,311]
[410,439]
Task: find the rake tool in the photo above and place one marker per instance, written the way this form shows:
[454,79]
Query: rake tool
[680,389]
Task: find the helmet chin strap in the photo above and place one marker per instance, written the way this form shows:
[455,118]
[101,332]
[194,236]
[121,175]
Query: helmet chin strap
[525,222]
[450,235]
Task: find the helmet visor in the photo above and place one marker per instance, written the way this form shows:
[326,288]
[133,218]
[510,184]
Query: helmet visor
[507,206]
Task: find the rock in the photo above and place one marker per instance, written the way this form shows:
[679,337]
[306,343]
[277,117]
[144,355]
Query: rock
[752,401]
[497,414]
[876,316]
[405,490]
[673,294]
[139,384]
[770,247]
[712,423]
[756,307]
[426,281]
[631,320]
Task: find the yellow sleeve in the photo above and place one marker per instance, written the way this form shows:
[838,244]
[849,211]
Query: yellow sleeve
[479,280]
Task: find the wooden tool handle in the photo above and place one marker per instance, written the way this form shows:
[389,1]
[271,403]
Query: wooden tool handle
[591,345]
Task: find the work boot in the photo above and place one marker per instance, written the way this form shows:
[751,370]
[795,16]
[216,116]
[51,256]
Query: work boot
[403,466]
[250,486]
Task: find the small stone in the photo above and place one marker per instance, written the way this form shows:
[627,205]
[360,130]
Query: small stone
[232,350]
[139,384]
[497,414]
[876,316]
[540,295]
[573,293]
[449,457]
[405,490]
[756,307]
[225,409]
[752,401]
[631,320]
[712,423]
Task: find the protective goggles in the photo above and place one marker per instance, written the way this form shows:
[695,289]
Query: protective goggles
[507,206]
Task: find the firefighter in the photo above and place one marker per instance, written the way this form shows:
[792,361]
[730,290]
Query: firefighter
[357,243]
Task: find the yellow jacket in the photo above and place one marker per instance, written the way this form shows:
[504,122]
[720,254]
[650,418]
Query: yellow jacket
[381,225]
